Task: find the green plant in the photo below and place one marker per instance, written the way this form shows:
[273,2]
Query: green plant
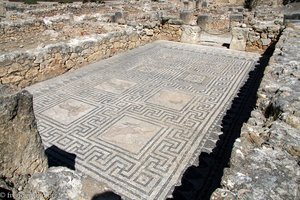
[95,1]
[65,1]
[250,4]
[30,1]
[98,1]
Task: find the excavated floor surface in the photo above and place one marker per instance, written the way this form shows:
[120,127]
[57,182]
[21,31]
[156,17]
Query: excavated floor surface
[137,120]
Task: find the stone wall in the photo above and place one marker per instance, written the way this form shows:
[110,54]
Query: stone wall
[257,30]
[260,37]
[228,2]
[215,24]
[265,159]
[2,10]
[17,31]
[255,38]
[266,23]
[273,3]
[48,10]
[23,68]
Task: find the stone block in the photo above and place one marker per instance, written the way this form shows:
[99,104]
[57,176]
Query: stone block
[186,16]
[292,17]
[2,10]
[253,37]
[118,17]
[63,183]
[202,21]
[149,32]
[222,194]
[204,4]
[186,5]
[21,152]
[32,72]
[240,9]
[12,79]
[190,34]
[230,2]
[3,71]
[198,4]
[189,5]
[175,22]
[236,17]
[192,5]
[56,183]
[265,42]
[239,38]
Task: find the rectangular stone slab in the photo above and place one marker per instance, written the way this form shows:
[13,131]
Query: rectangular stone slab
[137,120]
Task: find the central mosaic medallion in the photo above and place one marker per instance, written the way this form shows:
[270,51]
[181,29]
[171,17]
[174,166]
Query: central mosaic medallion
[171,99]
[115,86]
[130,134]
[68,111]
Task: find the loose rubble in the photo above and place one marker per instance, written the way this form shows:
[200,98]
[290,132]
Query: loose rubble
[61,183]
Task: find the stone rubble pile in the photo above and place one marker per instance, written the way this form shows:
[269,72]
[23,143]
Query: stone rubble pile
[265,161]
[257,29]
[266,24]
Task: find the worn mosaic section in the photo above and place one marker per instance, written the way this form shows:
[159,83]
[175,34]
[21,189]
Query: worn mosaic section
[137,120]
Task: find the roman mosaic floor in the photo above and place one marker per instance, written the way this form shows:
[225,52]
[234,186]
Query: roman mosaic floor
[137,120]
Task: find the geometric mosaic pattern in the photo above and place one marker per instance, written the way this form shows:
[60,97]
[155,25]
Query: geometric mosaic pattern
[137,120]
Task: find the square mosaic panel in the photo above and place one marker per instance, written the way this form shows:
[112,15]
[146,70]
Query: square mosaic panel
[116,86]
[68,111]
[130,134]
[171,99]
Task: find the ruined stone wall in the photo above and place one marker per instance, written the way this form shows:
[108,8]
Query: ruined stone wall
[256,37]
[214,23]
[273,3]
[265,159]
[260,38]
[68,8]
[23,68]
[256,30]
[228,2]
[17,31]
[44,10]
[265,26]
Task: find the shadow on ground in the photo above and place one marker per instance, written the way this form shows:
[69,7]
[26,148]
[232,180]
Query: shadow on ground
[58,157]
[199,182]
[6,194]
[106,196]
